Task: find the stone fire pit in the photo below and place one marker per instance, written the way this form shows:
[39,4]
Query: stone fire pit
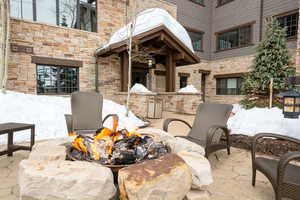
[47,175]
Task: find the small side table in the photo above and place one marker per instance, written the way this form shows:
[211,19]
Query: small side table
[9,129]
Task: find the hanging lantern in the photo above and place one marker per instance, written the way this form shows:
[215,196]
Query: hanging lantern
[291,104]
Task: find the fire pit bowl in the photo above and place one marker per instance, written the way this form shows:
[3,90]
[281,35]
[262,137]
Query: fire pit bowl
[137,147]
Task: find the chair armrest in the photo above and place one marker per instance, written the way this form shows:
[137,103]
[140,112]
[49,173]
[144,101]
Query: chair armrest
[213,130]
[283,162]
[269,135]
[168,121]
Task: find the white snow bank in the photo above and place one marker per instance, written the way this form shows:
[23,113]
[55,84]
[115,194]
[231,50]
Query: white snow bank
[150,19]
[139,88]
[262,120]
[47,113]
[188,89]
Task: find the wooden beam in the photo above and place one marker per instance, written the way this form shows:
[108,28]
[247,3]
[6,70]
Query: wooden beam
[179,56]
[124,71]
[56,61]
[232,75]
[170,72]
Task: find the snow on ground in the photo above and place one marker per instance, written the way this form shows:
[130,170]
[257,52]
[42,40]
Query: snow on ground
[262,120]
[47,113]
[139,88]
[150,19]
[188,89]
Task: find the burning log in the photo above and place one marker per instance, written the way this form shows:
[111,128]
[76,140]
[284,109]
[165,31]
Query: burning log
[112,147]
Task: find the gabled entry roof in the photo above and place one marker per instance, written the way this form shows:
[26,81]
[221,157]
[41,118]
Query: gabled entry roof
[159,40]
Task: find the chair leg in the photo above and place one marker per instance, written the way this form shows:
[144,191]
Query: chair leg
[228,150]
[253,177]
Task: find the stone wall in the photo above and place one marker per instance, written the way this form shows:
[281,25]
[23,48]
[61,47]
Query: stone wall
[62,43]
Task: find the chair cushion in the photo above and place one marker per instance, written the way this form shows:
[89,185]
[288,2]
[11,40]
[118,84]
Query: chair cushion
[269,168]
[208,115]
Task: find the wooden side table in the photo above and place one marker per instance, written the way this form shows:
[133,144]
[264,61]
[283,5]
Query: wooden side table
[10,129]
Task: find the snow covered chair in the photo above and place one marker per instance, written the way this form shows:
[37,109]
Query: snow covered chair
[86,115]
[209,125]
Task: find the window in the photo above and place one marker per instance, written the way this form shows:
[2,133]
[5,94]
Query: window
[80,14]
[229,86]
[201,2]
[234,38]
[196,38]
[290,22]
[183,79]
[223,2]
[57,80]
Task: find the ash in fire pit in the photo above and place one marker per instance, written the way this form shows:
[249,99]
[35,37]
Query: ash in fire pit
[111,147]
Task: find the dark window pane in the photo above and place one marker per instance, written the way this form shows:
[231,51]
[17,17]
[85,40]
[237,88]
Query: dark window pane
[46,11]
[290,22]
[68,13]
[183,81]
[235,38]
[22,9]
[222,2]
[229,86]
[57,80]
[88,15]
[201,2]
[196,38]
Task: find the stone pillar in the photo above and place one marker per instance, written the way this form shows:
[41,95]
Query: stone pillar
[298,51]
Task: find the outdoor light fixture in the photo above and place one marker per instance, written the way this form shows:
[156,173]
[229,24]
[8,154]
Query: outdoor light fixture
[151,62]
[291,104]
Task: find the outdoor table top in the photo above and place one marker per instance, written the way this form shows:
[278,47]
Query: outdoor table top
[10,127]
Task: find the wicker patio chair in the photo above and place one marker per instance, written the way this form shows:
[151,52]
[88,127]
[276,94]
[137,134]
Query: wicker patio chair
[86,115]
[284,176]
[209,125]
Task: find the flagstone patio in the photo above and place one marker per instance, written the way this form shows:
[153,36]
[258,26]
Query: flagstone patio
[232,174]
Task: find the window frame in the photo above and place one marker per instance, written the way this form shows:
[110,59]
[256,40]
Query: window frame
[201,4]
[219,3]
[286,14]
[58,88]
[78,21]
[239,81]
[217,35]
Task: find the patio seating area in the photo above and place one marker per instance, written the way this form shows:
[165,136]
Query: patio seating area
[232,174]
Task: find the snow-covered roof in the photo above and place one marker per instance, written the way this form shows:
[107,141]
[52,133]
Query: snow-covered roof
[151,19]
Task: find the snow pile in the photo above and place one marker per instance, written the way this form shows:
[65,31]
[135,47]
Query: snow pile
[188,89]
[47,113]
[262,120]
[150,19]
[139,88]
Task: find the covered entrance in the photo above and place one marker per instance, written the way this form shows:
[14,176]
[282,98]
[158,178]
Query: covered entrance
[156,53]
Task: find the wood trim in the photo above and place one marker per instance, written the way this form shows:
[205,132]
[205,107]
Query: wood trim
[200,4]
[220,5]
[232,75]
[161,33]
[203,71]
[184,74]
[291,12]
[160,73]
[124,71]
[56,61]
[188,28]
[233,48]
[235,27]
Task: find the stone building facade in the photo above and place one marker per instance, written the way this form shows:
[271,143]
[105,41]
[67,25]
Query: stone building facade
[34,43]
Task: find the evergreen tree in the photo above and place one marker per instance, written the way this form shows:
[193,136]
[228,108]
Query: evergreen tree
[272,60]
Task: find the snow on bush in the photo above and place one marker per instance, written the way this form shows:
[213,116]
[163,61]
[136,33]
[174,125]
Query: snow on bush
[150,19]
[47,113]
[262,120]
[139,88]
[188,89]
